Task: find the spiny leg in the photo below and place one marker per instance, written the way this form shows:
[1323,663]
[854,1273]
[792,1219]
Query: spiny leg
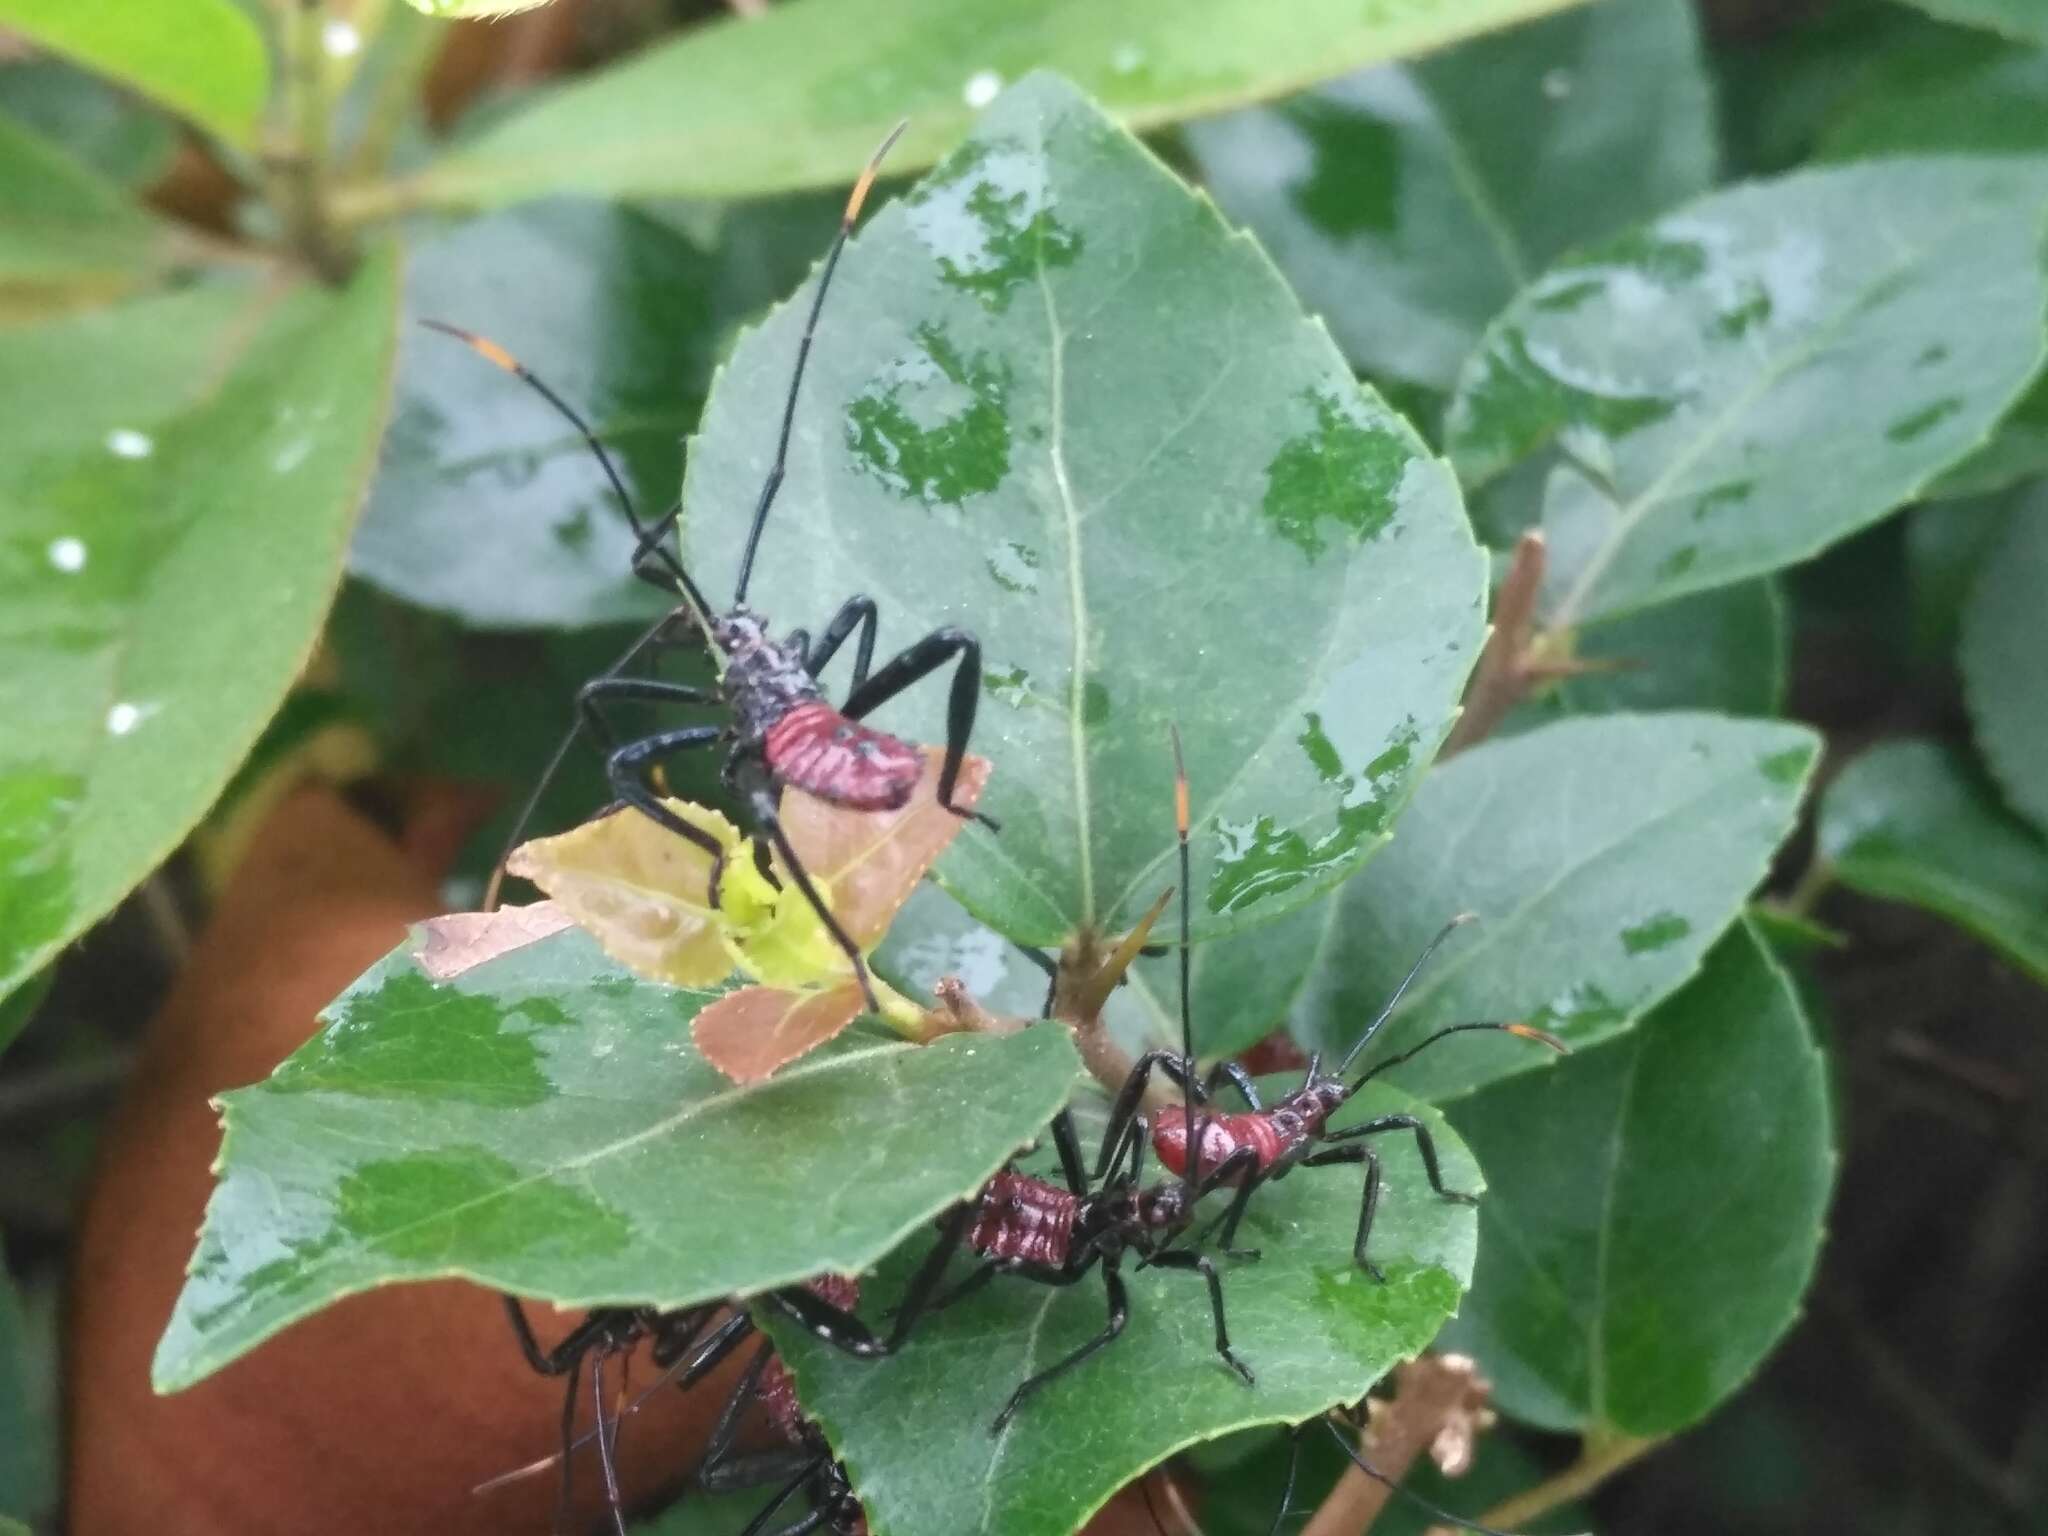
[630,770]
[1369,1200]
[1132,1091]
[1119,1314]
[1239,1079]
[1242,1169]
[1181,1258]
[911,665]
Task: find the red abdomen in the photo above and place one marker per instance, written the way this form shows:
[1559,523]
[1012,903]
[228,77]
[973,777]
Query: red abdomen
[1221,1136]
[818,750]
[1024,1218]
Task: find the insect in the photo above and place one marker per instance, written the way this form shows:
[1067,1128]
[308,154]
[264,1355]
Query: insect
[1056,1234]
[681,1347]
[804,1463]
[1267,1142]
[781,731]
[604,1332]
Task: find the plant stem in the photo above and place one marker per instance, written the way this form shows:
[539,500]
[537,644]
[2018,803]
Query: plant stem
[1600,1457]
[1503,674]
[1439,1403]
[299,169]
[1812,884]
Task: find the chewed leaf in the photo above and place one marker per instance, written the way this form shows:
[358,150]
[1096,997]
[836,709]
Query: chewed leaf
[873,859]
[455,943]
[749,1033]
[642,891]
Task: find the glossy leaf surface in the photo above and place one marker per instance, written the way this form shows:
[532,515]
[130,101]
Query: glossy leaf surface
[542,1125]
[1090,412]
[1656,1207]
[179,483]
[1602,856]
[1756,375]
[204,59]
[1313,1328]
[2004,657]
[1408,204]
[755,105]
[1913,821]
[488,505]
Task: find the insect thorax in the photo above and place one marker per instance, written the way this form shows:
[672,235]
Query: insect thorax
[765,678]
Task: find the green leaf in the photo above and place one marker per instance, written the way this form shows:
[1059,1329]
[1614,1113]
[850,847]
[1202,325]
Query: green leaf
[123,139]
[2022,20]
[743,107]
[1314,1328]
[2018,451]
[143,651]
[1602,855]
[1408,204]
[488,505]
[2002,654]
[1722,650]
[542,1125]
[1912,821]
[204,59]
[70,234]
[1656,1210]
[1944,91]
[1091,411]
[1946,543]
[1759,374]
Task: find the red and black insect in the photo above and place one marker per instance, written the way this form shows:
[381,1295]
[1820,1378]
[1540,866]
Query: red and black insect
[604,1332]
[781,731]
[1267,1142]
[681,1348]
[802,1464]
[1041,1231]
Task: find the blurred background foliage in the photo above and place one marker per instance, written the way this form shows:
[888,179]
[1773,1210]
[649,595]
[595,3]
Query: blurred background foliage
[217,220]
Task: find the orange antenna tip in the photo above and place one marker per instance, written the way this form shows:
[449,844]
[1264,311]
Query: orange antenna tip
[868,172]
[1180,784]
[1540,1036]
[483,346]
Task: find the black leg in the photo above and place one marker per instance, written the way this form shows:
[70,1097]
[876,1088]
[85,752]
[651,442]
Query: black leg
[1242,1169]
[565,1487]
[629,769]
[1287,1489]
[1423,1144]
[1069,1148]
[761,798]
[727,1337]
[759,1524]
[574,1345]
[855,613]
[1369,1201]
[845,1330]
[1125,1106]
[1119,1314]
[675,1332]
[1239,1078]
[1199,1262]
[906,668]
[718,1449]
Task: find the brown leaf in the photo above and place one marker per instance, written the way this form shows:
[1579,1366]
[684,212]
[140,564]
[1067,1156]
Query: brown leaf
[874,859]
[747,1034]
[461,941]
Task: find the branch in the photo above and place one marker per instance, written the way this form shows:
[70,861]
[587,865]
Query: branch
[1440,1407]
[298,168]
[1504,673]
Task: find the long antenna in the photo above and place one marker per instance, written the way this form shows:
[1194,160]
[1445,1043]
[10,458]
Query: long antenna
[1199,1128]
[803,353]
[1513,1027]
[1387,1011]
[649,540]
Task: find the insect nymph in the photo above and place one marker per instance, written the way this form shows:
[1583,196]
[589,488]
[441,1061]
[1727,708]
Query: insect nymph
[780,731]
